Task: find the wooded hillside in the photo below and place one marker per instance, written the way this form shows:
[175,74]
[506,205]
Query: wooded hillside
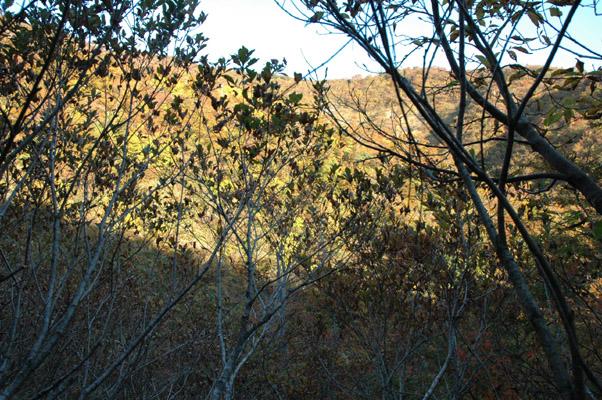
[178,228]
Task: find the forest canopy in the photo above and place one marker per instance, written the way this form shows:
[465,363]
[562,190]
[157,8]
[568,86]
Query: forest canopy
[177,226]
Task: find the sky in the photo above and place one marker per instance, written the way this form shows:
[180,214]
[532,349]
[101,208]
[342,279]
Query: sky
[263,26]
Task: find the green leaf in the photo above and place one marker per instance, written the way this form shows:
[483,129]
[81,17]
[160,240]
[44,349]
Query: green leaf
[597,230]
[552,118]
[561,71]
[515,76]
[454,35]
[535,18]
[480,10]
[316,17]
[555,12]
[482,59]
[295,97]
[243,56]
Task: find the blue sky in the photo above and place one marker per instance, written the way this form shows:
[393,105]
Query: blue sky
[261,25]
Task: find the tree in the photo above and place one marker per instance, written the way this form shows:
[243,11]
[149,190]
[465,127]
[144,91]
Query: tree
[261,164]
[80,109]
[476,39]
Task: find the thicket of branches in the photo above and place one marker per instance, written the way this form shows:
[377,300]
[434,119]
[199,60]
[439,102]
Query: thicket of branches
[486,35]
